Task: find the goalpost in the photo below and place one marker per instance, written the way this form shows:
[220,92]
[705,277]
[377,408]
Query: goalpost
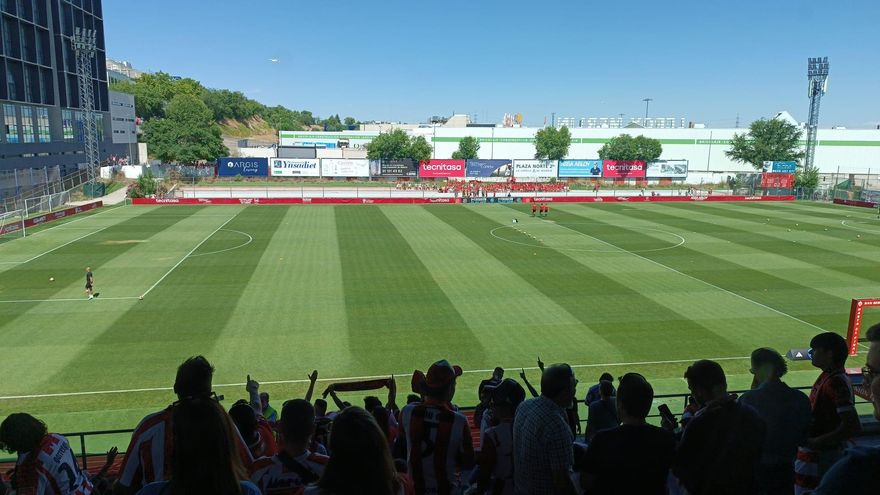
[855,321]
[12,224]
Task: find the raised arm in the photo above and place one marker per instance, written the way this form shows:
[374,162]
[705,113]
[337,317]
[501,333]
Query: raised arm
[313,377]
[522,375]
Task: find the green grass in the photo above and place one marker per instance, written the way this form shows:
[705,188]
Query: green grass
[276,291]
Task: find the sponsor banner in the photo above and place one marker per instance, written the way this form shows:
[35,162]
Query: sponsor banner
[778,181]
[580,168]
[441,168]
[292,201]
[489,168]
[853,202]
[535,169]
[295,167]
[780,167]
[411,201]
[667,169]
[623,169]
[49,217]
[332,167]
[245,167]
[394,168]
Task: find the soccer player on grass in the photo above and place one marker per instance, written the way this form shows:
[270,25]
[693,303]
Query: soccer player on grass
[90,284]
[534,208]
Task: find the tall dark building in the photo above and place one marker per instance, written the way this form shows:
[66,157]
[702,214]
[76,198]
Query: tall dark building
[39,92]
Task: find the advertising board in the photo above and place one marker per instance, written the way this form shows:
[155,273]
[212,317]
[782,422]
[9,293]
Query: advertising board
[535,169]
[779,181]
[245,167]
[394,168]
[623,169]
[489,168]
[667,169]
[780,167]
[580,168]
[441,168]
[291,167]
[333,167]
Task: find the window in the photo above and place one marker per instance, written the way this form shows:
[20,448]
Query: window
[67,125]
[11,124]
[27,124]
[99,123]
[78,128]
[43,130]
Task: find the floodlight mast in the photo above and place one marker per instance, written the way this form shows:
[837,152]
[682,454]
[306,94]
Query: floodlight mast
[85,44]
[817,76]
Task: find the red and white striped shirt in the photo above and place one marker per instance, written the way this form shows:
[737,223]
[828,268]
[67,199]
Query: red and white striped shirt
[283,475]
[436,436]
[54,470]
[148,457]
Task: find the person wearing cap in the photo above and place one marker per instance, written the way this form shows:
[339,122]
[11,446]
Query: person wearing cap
[543,443]
[496,457]
[433,428]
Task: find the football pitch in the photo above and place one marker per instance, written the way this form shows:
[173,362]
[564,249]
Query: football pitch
[368,291]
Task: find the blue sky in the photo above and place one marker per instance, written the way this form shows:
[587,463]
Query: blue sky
[706,60]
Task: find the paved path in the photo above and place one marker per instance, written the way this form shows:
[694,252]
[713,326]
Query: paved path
[114,198]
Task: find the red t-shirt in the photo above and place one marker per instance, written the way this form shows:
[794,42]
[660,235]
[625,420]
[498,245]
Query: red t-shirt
[832,395]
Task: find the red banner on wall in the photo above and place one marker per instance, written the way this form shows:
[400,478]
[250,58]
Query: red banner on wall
[855,322]
[779,181]
[49,217]
[622,169]
[431,169]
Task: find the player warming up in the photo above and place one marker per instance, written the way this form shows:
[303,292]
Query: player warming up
[90,284]
[534,208]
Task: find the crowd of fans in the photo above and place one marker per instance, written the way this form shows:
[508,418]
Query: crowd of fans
[770,440]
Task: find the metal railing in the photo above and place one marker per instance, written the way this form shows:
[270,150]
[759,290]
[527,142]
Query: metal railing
[680,398]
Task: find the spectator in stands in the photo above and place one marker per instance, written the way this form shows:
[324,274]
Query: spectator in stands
[45,463]
[269,412]
[593,392]
[496,455]
[786,412]
[361,462]
[721,448]
[205,453]
[634,457]
[148,457]
[834,414]
[295,466]
[497,376]
[254,429]
[438,439]
[858,473]
[542,439]
[602,414]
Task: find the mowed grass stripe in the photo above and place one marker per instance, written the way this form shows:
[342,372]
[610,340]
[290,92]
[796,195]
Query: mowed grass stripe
[743,228]
[620,315]
[182,317]
[394,306]
[293,306]
[784,295]
[67,265]
[508,315]
[863,231]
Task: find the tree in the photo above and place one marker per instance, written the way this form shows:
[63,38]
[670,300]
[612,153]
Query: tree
[396,145]
[626,147]
[468,149]
[807,178]
[333,123]
[767,140]
[187,134]
[552,143]
[151,93]
[351,122]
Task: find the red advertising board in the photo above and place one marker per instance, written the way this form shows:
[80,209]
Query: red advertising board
[853,202]
[855,322]
[49,217]
[431,169]
[775,180]
[420,201]
[622,169]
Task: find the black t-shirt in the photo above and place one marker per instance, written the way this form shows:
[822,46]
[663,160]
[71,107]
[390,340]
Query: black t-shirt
[630,459]
[88,278]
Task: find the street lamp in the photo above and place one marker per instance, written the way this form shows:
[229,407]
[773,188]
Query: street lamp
[647,102]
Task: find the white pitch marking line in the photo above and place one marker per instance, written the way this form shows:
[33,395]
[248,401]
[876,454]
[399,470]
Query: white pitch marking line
[287,382]
[114,208]
[189,253]
[81,299]
[698,280]
[250,240]
[55,248]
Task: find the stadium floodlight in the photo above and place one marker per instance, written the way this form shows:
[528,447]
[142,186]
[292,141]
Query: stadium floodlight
[84,43]
[647,102]
[817,77]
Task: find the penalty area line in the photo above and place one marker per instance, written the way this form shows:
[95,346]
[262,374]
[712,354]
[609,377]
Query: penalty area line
[190,253]
[67,299]
[349,378]
[55,248]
